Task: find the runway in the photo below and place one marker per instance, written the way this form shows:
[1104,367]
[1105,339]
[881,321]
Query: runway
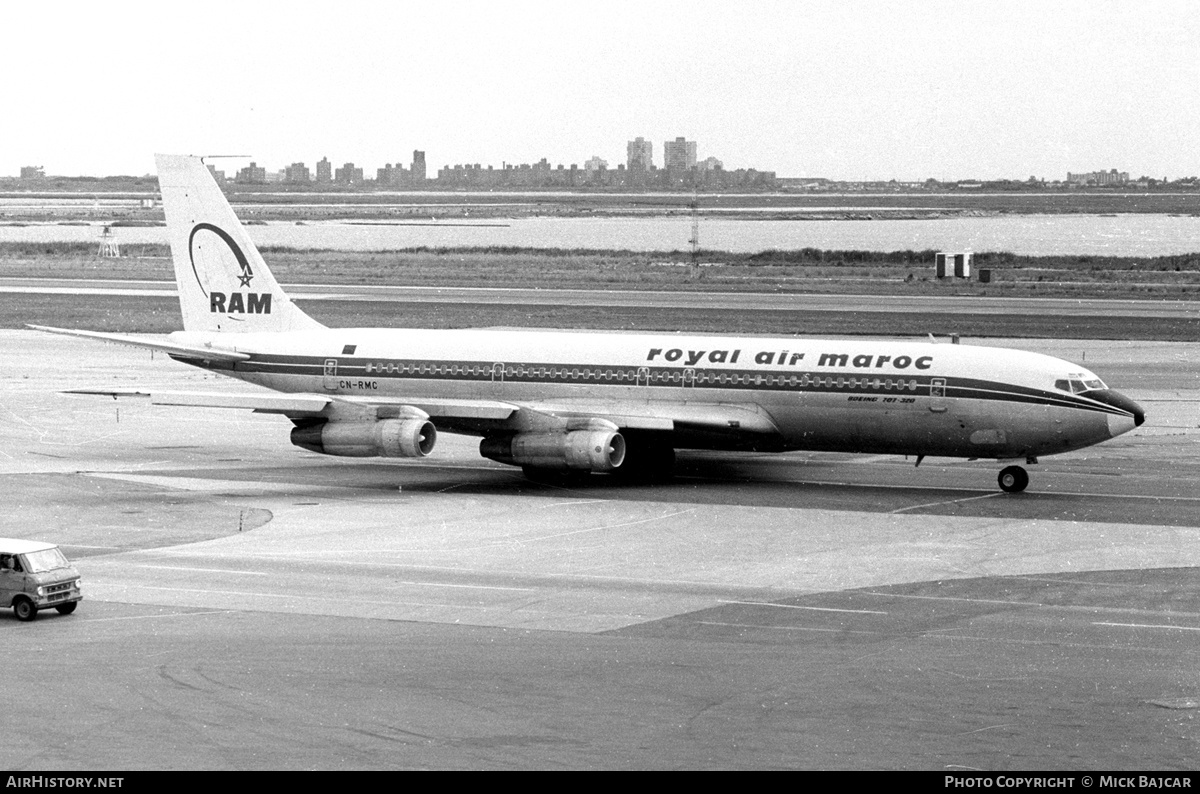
[252,605]
[707,300]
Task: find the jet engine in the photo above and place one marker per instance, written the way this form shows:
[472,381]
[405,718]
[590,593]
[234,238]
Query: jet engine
[388,438]
[590,450]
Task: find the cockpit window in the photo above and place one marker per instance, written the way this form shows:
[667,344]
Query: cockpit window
[1077,383]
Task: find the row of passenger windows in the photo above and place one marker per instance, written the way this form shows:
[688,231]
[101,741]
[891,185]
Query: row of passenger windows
[632,376]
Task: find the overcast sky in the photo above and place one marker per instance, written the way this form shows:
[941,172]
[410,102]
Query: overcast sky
[908,90]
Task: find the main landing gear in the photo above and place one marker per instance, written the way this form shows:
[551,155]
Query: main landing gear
[1013,479]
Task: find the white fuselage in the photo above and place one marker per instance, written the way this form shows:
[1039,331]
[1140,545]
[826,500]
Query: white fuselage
[851,396]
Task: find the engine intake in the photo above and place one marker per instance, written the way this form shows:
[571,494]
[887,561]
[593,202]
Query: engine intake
[591,450]
[387,438]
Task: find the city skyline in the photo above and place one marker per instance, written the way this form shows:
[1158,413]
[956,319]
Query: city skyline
[639,159]
[866,91]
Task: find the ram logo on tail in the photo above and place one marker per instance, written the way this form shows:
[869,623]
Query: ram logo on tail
[224,301]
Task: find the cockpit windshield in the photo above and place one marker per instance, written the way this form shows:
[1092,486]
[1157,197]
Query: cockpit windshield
[1077,382]
[46,560]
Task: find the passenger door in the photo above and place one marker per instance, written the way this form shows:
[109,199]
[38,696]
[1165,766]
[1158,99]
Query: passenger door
[937,395]
[10,581]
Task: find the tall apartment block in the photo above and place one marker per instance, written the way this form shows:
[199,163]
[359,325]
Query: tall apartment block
[252,174]
[639,154]
[324,171]
[297,174]
[348,174]
[679,154]
[418,167]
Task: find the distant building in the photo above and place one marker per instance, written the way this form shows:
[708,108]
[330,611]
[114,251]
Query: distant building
[1111,177]
[297,174]
[348,175]
[218,176]
[710,164]
[324,171]
[679,154]
[418,168]
[33,172]
[392,176]
[251,175]
[594,164]
[639,154]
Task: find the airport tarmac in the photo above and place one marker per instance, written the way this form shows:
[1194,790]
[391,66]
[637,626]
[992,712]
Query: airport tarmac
[252,605]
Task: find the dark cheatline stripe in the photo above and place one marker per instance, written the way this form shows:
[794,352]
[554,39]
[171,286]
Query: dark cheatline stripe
[994,390]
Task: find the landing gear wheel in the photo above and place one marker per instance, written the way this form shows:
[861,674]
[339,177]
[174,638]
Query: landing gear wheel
[25,609]
[66,609]
[1013,479]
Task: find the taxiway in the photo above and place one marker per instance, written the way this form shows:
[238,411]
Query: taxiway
[676,299]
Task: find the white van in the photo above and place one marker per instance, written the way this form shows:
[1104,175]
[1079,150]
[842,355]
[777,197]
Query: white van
[36,576]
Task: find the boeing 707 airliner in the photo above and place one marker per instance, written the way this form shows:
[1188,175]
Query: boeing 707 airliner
[595,402]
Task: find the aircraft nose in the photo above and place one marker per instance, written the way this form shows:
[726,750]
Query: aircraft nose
[1121,401]
[1119,424]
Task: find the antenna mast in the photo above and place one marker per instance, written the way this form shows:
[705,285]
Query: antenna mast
[695,239]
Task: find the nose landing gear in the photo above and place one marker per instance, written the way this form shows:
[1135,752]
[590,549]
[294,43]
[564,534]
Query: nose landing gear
[1013,479]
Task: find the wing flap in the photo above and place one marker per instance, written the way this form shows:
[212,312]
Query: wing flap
[271,403]
[290,404]
[447,408]
[734,418]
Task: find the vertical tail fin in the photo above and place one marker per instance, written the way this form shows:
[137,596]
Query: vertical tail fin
[224,284]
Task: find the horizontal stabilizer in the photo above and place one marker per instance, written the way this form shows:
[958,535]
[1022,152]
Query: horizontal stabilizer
[162,345]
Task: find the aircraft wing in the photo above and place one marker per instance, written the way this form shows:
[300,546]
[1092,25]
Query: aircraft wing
[313,405]
[735,420]
[171,348]
[481,416]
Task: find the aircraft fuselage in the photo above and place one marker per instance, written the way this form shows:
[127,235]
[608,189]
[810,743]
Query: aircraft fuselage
[798,394]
